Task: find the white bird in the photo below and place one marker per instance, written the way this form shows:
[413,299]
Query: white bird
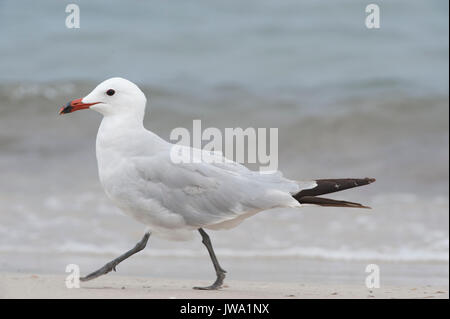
[174,199]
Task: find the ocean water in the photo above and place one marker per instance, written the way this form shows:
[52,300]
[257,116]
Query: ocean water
[347,101]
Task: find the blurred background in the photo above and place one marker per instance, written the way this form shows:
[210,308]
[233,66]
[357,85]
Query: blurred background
[347,101]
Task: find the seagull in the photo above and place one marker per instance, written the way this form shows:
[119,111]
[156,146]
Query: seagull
[175,199]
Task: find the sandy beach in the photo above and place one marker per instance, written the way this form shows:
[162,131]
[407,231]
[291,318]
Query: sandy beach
[14,285]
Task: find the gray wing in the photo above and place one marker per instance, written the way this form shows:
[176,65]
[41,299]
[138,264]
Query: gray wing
[207,191]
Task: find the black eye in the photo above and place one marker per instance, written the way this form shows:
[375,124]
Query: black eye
[110,92]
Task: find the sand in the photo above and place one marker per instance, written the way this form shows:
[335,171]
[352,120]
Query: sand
[17,285]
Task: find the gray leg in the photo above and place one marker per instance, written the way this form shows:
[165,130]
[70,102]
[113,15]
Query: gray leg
[219,271]
[112,264]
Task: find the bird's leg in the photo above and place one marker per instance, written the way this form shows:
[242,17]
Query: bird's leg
[219,271]
[112,264]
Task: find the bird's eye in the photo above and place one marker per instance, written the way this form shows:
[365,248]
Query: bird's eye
[110,92]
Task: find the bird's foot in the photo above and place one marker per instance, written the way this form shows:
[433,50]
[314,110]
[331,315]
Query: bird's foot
[212,287]
[102,271]
[216,285]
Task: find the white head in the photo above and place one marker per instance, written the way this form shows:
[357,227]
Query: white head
[115,96]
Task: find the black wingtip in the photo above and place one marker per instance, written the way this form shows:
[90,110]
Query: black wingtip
[326,186]
[321,201]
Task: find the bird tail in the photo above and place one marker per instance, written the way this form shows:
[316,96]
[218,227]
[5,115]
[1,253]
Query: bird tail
[326,186]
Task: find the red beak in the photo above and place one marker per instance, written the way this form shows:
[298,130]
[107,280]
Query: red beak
[75,105]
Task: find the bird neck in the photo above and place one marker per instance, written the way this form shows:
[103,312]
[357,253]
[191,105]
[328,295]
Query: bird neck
[117,131]
[123,122]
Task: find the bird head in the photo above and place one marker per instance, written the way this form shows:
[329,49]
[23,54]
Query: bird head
[114,96]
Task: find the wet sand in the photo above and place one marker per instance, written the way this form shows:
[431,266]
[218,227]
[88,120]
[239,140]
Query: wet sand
[15,285]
